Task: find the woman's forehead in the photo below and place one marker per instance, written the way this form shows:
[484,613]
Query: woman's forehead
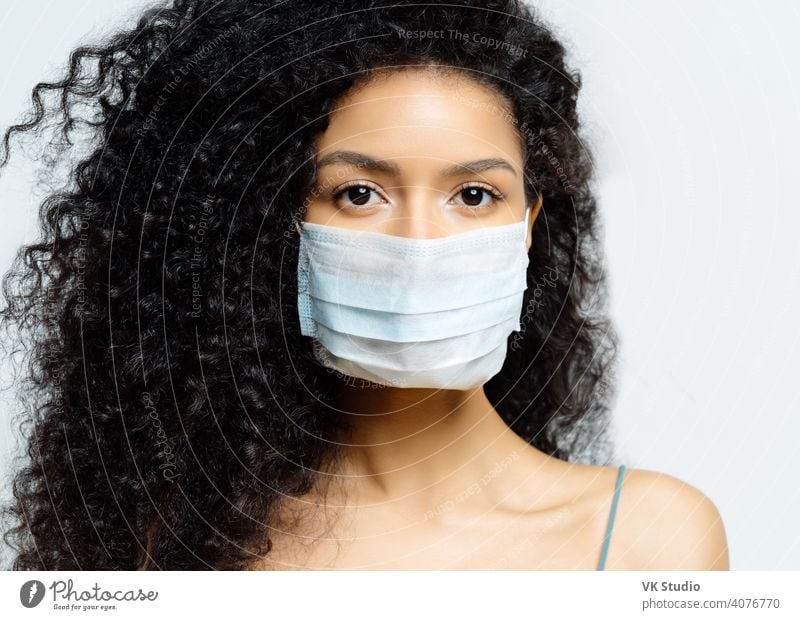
[414,114]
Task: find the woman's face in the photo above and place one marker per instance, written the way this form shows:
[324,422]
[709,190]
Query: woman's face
[419,154]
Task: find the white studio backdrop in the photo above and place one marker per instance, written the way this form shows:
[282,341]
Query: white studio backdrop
[693,112]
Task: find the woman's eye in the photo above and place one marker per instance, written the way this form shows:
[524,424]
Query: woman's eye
[360,196]
[476,197]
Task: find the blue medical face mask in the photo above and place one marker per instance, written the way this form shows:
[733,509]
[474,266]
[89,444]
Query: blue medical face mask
[425,313]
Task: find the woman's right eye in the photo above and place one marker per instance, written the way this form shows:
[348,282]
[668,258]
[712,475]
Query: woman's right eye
[357,196]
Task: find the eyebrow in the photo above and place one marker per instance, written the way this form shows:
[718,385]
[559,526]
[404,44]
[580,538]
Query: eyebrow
[362,160]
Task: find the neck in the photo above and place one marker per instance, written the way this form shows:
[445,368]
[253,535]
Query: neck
[418,446]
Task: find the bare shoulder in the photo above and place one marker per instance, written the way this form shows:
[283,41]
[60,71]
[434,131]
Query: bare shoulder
[664,523]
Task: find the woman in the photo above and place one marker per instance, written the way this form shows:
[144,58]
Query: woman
[327,293]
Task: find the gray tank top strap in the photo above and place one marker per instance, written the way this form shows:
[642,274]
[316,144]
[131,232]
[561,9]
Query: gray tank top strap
[610,526]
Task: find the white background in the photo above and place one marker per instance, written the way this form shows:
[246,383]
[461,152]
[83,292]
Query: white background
[693,111]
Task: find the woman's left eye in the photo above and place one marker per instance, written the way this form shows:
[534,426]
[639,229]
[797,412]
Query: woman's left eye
[476,197]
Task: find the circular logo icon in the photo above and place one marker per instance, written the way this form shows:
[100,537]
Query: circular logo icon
[31,593]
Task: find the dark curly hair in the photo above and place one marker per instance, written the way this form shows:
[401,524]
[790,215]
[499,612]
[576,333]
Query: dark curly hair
[169,400]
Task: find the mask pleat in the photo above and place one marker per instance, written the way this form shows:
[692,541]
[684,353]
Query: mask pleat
[417,356]
[455,377]
[396,327]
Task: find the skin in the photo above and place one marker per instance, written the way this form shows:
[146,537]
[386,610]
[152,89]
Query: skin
[434,479]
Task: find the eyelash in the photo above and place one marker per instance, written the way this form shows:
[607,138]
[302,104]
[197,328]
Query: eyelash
[496,196]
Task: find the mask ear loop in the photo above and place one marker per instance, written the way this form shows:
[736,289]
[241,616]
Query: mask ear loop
[297,227]
[528,209]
